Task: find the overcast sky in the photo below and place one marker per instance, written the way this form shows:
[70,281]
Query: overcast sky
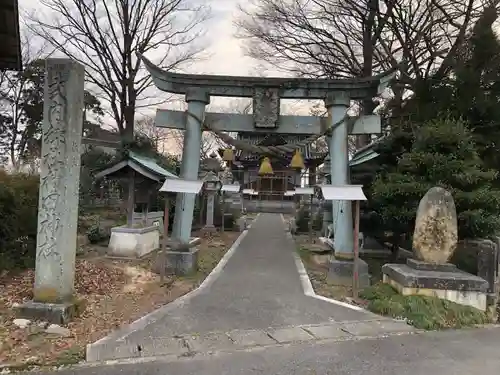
[226,55]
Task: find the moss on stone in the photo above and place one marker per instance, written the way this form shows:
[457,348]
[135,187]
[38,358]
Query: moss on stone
[429,313]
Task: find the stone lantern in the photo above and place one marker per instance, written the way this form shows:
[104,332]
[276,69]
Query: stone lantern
[211,186]
[327,205]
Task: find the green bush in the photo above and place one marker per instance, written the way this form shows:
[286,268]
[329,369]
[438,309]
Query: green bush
[18,220]
[443,154]
[229,222]
[302,220]
[95,234]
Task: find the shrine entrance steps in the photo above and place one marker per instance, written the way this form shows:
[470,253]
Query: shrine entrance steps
[269,206]
[256,299]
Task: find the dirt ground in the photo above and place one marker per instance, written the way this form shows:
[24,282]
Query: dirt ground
[110,293]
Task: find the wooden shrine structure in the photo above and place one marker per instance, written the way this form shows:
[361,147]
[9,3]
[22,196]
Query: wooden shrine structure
[10,48]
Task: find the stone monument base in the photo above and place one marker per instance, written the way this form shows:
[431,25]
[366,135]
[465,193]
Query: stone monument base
[368,247]
[444,281]
[341,272]
[209,229]
[182,263]
[242,223]
[178,262]
[55,313]
[133,242]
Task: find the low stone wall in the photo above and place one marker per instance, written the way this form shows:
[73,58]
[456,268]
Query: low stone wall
[154,218]
[481,257]
[280,207]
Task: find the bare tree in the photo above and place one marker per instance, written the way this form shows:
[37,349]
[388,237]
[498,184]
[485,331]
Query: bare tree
[162,138]
[360,38]
[210,142]
[107,35]
[19,102]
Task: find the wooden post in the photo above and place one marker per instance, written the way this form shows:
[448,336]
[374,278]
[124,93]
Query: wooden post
[355,274]
[131,198]
[222,211]
[311,219]
[163,262]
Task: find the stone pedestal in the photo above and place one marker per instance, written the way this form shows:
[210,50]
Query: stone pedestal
[444,281]
[133,242]
[340,272]
[182,263]
[58,197]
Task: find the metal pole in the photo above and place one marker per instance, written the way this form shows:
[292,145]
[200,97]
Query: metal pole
[355,281]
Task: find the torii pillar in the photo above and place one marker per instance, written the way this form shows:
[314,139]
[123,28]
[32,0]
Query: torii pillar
[342,266]
[197,100]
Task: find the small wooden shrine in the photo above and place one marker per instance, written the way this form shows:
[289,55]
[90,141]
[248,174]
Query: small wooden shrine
[147,174]
[246,165]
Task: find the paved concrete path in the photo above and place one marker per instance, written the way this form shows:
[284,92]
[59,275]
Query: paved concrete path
[473,351]
[259,288]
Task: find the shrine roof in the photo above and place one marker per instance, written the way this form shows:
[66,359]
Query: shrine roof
[145,166]
[289,88]
[308,152]
[363,156]
[10,51]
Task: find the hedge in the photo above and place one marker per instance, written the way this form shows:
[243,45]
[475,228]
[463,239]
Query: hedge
[18,220]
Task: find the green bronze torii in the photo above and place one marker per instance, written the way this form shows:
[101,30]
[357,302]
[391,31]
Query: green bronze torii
[266,118]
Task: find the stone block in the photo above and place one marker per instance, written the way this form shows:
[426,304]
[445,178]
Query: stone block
[153,219]
[424,266]
[210,342]
[327,331]
[341,272]
[55,313]
[376,328]
[242,223]
[162,346]
[250,338]
[133,242]
[455,286]
[182,262]
[290,334]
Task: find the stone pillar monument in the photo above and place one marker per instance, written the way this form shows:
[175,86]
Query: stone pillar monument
[197,100]
[212,186]
[341,267]
[58,197]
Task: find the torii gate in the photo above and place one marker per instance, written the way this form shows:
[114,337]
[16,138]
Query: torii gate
[266,118]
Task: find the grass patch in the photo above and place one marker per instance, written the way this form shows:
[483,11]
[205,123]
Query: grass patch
[304,253]
[70,357]
[429,313]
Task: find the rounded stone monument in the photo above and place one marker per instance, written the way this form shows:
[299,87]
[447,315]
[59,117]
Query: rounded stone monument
[434,241]
[436,230]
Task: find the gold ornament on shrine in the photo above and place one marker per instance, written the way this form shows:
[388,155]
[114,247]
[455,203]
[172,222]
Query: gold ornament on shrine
[297,161]
[228,155]
[265,167]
